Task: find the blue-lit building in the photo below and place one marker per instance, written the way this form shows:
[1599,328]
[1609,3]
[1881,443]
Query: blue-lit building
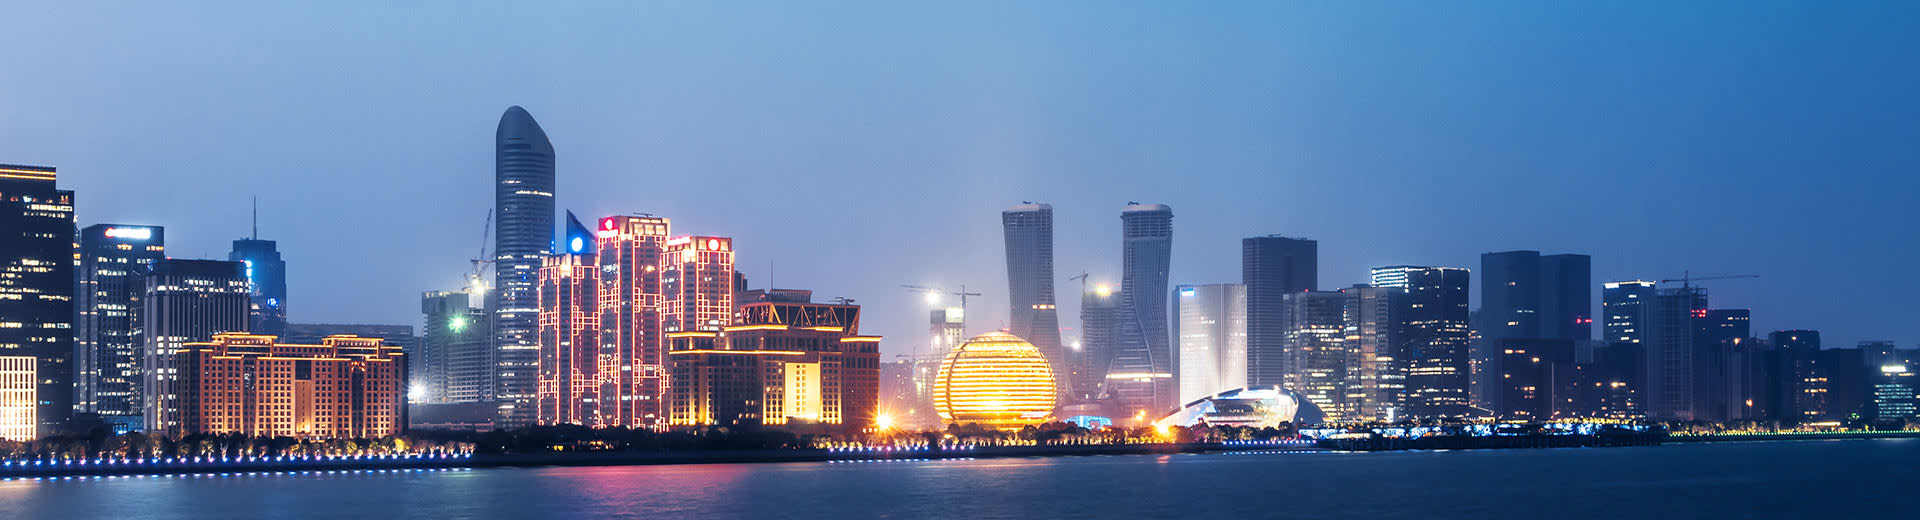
[114,259]
[267,278]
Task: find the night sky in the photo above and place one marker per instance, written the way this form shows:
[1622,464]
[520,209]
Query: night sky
[855,147]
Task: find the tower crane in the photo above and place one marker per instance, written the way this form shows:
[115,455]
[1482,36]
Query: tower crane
[1687,278]
[477,278]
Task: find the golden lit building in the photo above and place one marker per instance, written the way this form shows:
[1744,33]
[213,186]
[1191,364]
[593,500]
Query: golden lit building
[633,364]
[697,283]
[569,388]
[345,387]
[793,364]
[18,398]
[995,379]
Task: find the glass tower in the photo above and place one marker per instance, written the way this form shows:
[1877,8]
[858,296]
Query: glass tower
[523,223]
[1029,235]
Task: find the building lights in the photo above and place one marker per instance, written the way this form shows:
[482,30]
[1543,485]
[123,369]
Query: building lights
[995,379]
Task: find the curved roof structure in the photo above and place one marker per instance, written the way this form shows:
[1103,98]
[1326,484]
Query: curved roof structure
[1254,406]
[995,379]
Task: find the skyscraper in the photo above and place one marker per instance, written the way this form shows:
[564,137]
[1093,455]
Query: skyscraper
[1142,373]
[1435,335]
[453,364]
[1376,373]
[36,295]
[267,274]
[1099,337]
[1801,383]
[1624,304]
[1213,338]
[1526,295]
[523,223]
[1670,340]
[1271,267]
[1029,236]
[698,284]
[1316,351]
[571,367]
[113,261]
[631,254]
[184,301]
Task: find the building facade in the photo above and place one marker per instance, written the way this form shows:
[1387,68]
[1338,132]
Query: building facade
[1212,329]
[454,362]
[801,366]
[267,275]
[37,282]
[1670,339]
[523,233]
[1141,374]
[1435,337]
[632,250]
[183,302]
[1099,339]
[346,387]
[571,367]
[698,284]
[1526,295]
[1272,267]
[19,406]
[1376,372]
[114,260]
[1034,314]
[1316,351]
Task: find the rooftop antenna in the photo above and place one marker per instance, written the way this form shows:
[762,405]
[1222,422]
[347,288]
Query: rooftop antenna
[256,217]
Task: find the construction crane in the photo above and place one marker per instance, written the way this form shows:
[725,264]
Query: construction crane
[1083,281]
[1687,278]
[476,278]
[935,291]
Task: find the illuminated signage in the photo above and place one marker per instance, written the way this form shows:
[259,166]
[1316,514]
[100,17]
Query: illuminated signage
[679,241]
[130,233]
[577,245]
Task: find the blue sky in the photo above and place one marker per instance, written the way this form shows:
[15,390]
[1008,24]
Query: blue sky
[853,147]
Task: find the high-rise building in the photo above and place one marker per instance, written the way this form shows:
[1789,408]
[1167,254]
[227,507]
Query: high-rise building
[183,301]
[1802,386]
[631,254]
[571,367]
[37,282]
[1272,267]
[345,387]
[1526,295]
[1141,377]
[1034,315]
[1670,340]
[1893,393]
[1624,304]
[798,365]
[1213,338]
[453,364]
[698,284]
[113,261]
[1537,381]
[19,407]
[1099,338]
[523,224]
[1849,384]
[1435,335]
[946,327]
[1723,352]
[267,275]
[1316,351]
[1374,342]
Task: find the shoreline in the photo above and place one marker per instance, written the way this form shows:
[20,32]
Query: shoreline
[587,459]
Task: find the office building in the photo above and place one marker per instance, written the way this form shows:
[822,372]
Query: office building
[183,301]
[114,260]
[1213,338]
[1849,384]
[1537,381]
[1374,343]
[1316,353]
[267,275]
[345,387]
[1033,316]
[19,406]
[697,283]
[801,366]
[1801,382]
[571,367]
[1099,339]
[1624,305]
[523,233]
[631,253]
[1272,267]
[1670,339]
[1434,337]
[37,282]
[1526,295]
[1724,355]
[1141,375]
[1893,393]
[454,361]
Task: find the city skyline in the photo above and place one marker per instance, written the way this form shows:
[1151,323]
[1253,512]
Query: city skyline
[429,146]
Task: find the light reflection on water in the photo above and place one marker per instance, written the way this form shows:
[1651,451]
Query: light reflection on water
[1771,480]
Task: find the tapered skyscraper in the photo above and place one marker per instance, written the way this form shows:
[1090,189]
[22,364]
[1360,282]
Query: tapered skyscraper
[523,223]
[1029,233]
[1272,267]
[1142,373]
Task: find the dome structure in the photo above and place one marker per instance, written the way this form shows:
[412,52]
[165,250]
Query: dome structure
[1255,406]
[994,379]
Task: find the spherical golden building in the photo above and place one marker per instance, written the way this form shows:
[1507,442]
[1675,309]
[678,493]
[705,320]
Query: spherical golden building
[995,379]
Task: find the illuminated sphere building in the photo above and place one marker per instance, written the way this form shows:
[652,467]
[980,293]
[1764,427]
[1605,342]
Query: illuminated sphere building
[995,379]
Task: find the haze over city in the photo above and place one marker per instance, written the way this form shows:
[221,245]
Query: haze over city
[854,147]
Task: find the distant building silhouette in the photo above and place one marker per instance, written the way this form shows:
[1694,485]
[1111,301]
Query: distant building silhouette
[1526,295]
[1271,267]
[267,274]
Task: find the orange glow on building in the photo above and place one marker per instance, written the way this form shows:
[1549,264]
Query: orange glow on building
[346,387]
[569,389]
[697,283]
[632,363]
[789,364]
[18,402]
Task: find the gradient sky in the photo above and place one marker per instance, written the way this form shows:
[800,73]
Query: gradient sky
[854,147]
